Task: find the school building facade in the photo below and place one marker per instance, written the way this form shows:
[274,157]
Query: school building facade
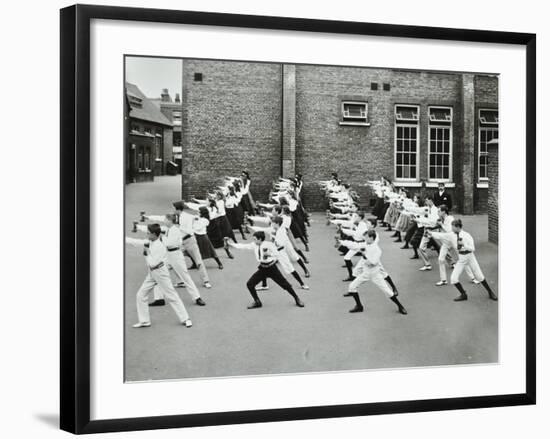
[280,119]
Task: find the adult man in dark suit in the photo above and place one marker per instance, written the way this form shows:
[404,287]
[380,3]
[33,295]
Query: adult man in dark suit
[443,197]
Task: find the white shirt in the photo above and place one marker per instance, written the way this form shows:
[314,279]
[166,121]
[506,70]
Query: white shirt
[173,237]
[287,221]
[292,204]
[447,224]
[200,225]
[221,207]
[265,253]
[156,253]
[358,232]
[231,201]
[186,223]
[213,213]
[466,240]
[430,219]
[281,237]
[245,187]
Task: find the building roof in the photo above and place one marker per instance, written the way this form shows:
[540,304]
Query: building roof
[148,110]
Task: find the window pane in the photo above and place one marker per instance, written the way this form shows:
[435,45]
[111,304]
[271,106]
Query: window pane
[413,132]
[413,145]
[413,172]
[413,159]
[399,132]
[432,146]
[406,173]
[399,159]
[446,134]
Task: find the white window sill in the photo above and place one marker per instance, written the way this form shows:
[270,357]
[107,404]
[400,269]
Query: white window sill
[355,124]
[414,183]
[482,185]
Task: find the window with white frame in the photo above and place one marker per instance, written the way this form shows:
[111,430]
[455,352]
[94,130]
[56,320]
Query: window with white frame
[354,112]
[488,130]
[406,142]
[440,143]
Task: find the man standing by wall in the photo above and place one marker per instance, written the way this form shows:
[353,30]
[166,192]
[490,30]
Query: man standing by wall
[443,197]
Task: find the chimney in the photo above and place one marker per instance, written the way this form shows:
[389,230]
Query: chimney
[177,100]
[165,97]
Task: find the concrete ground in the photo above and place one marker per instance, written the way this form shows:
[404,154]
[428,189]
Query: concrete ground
[228,340]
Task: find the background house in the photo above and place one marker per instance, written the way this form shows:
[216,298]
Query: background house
[149,137]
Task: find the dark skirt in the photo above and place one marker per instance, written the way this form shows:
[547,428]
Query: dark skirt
[235,216]
[205,247]
[214,233]
[225,227]
[410,231]
[378,207]
[417,237]
[298,223]
[246,205]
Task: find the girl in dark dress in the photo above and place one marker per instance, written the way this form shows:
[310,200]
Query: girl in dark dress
[298,215]
[234,211]
[214,232]
[221,218]
[200,226]
[247,200]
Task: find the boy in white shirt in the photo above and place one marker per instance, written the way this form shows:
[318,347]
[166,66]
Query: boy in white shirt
[463,242]
[372,270]
[154,251]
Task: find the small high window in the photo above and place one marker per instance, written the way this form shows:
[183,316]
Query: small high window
[354,113]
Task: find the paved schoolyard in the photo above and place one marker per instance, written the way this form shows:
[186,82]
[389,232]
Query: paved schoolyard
[228,340]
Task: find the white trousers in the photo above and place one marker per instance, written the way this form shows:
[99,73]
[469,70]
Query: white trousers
[446,249]
[291,252]
[375,276]
[468,261]
[191,247]
[284,262]
[177,261]
[161,278]
[361,265]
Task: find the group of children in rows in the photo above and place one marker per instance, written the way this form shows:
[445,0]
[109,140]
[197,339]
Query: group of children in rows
[422,221]
[198,228]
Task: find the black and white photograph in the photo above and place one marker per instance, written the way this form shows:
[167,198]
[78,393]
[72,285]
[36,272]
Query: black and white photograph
[288,218]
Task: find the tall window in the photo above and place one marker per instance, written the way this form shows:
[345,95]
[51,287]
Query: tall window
[139,158]
[406,142]
[440,143]
[488,130]
[158,146]
[147,158]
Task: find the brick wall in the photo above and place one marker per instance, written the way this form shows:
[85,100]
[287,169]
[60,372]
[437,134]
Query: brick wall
[492,194]
[486,97]
[480,200]
[231,121]
[362,153]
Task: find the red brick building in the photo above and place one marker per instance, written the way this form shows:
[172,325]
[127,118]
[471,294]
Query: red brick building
[172,109]
[149,137]
[274,119]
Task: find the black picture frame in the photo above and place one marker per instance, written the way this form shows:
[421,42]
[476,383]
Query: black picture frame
[75,217]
